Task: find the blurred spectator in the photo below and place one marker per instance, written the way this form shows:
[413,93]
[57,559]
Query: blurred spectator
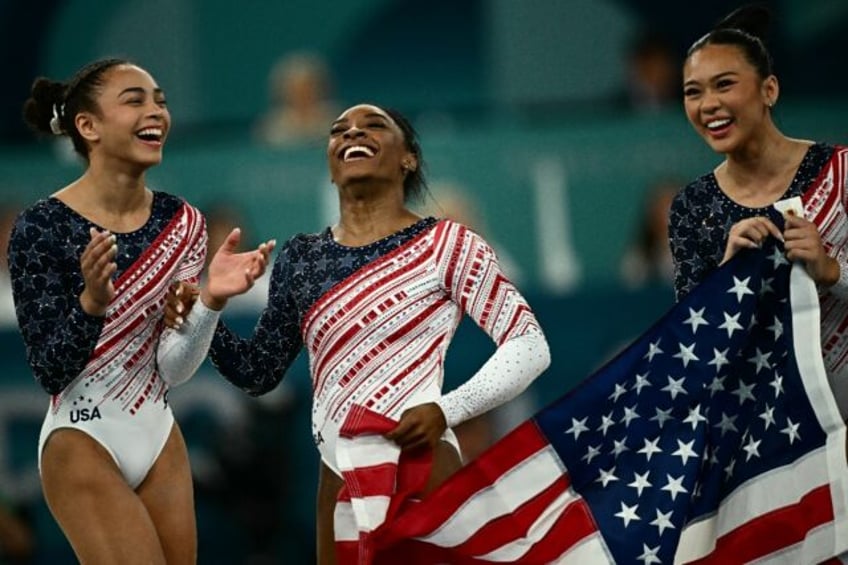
[653,74]
[17,538]
[221,218]
[301,103]
[8,213]
[648,259]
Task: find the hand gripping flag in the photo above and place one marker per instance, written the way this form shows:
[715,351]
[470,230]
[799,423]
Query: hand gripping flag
[713,438]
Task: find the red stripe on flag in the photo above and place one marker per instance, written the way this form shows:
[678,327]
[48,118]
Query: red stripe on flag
[573,525]
[773,531]
[377,480]
[507,528]
[520,444]
[362,421]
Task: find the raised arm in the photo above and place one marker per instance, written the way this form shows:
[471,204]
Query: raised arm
[60,323]
[181,351]
[257,364]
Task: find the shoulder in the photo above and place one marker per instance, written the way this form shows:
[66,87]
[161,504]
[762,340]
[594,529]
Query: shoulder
[301,246]
[827,151]
[170,204]
[446,228]
[453,241]
[43,218]
[695,193]
[47,228]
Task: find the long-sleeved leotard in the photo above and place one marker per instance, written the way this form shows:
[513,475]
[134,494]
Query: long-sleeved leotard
[377,321]
[701,218]
[104,373]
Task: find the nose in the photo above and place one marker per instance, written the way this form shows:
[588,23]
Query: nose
[353,132]
[155,109]
[710,102]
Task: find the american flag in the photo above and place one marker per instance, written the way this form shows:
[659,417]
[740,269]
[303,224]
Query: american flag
[713,438]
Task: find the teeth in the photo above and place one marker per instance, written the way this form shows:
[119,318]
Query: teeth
[715,124]
[156,132]
[355,151]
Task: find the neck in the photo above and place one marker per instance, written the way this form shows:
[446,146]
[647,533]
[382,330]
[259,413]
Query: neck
[113,188]
[763,156]
[762,171]
[367,217]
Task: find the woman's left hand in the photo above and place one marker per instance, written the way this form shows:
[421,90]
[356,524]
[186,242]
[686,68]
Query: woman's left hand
[803,243]
[419,426]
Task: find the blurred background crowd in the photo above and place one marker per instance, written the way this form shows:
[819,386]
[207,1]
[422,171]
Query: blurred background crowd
[553,127]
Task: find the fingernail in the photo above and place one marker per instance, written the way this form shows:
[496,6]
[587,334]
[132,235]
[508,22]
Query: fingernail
[179,290]
[179,321]
[180,308]
[114,238]
[273,242]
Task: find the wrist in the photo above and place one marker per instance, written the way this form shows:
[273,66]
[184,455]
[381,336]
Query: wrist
[211,302]
[831,273]
[91,306]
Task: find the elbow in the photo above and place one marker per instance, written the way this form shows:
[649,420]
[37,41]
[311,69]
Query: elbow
[173,380]
[540,353]
[51,386]
[261,386]
[545,356]
[52,379]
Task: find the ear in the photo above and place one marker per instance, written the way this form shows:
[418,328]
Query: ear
[409,163]
[86,125]
[771,91]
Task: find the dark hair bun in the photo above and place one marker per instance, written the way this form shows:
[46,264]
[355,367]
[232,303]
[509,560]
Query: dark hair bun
[38,108]
[753,19]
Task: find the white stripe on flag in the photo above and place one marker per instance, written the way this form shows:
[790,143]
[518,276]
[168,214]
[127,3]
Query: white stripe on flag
[512,551]
[512,489]
[370,511]
[365,451]
[816,547]
[767,492]
[803,296]
[345,523]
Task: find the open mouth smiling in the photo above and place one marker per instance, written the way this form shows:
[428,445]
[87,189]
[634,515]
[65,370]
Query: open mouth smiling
[356,153]
[151,135]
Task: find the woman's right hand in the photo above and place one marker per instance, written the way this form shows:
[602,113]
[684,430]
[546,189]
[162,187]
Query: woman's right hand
[178,302]
[749,234]
[98,265]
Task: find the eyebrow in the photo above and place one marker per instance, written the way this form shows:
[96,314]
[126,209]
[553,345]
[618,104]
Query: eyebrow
[716,77]
[368,115]
[139,90]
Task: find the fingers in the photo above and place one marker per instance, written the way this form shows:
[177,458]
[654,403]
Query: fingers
[232,241]
[178,302]
[420,426]
[97,266]
[259,260]
[99,253]
[750,233]
[409,435]
[756,230]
